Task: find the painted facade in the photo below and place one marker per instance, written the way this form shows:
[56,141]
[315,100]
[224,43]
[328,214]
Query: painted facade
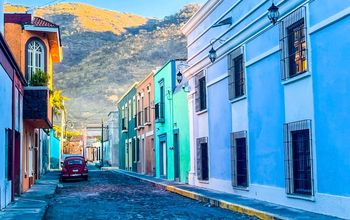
[36,45]
[171,132]
[128,149]
[11,126]
[270,98]
[145,126]
[113,138]
[54,150]
[181,132]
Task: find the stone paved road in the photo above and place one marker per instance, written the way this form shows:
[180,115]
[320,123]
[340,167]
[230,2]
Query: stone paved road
[108,195]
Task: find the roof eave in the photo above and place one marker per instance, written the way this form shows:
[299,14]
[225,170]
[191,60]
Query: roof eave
[200,15]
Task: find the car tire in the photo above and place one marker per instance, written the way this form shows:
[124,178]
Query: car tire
[86,178]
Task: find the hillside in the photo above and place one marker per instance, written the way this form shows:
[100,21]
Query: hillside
[105,54]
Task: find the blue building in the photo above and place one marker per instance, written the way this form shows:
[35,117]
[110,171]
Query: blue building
[267,111]
[12,85]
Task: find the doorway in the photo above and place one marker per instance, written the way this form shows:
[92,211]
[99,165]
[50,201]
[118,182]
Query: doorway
[163,159]
[176,156]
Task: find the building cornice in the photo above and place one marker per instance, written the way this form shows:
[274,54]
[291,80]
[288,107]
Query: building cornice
[128,91]
[200,15]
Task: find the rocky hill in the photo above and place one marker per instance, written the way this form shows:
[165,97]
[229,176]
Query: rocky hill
[106,51]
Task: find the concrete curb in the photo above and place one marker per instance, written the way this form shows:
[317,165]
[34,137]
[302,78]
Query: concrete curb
[212,201]
[32,205]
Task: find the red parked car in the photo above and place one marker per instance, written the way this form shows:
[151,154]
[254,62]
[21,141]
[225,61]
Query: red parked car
[74,167]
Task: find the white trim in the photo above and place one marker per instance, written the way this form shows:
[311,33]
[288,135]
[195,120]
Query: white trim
[238,99]
[259,31]
[296,78]
[328,21]
[150,133]
[231,27]
[215,22]
[41,29]
[217,79]
[262,56]
[200,15]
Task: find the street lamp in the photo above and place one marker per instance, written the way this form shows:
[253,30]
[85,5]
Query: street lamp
[179,77]
[212,54]
[273,13]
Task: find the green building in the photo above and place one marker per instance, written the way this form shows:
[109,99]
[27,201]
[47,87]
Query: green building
[128,142]
[171,128]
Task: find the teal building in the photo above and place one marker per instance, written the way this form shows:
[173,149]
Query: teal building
[171,128]
[128,142]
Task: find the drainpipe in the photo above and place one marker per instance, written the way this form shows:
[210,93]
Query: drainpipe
[13,139]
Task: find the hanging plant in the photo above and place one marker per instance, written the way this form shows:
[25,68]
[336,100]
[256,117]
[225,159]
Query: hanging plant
[40,78]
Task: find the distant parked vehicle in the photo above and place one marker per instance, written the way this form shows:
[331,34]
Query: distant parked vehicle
[74,167]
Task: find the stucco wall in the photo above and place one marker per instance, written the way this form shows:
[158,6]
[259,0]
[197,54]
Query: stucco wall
[54,150]
[6,123]
[165,128]
[130,134]
[181,122]
[331,80]
[17,39]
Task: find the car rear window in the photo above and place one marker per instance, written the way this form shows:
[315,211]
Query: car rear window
[75,162]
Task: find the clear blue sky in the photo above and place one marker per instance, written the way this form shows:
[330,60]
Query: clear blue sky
[148,8]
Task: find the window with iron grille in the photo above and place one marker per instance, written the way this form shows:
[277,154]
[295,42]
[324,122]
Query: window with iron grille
[147,115]
[298,158]
[239,159]
[201,92]
[236,81]
[202,159]
[293,44]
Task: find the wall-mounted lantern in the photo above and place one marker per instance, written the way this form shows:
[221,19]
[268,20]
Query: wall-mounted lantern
[212,54]
[273,13]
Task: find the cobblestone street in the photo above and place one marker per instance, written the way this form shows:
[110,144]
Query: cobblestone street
[108,195]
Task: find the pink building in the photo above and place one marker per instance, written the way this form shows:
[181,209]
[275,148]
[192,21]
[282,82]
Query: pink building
[144,125]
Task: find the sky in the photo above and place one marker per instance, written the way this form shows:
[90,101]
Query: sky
[147,8]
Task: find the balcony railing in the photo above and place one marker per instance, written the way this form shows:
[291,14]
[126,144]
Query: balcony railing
[147,115]
[36,106]
[159,112]
[140,119]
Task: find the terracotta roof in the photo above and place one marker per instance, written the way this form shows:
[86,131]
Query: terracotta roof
[39,22]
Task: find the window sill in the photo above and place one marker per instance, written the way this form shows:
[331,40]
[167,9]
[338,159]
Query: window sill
[238,99]
[296,78]
[297,196]
[202,111]
[204,181]
[241,188]
[124,131]
[147,124]
[160,120]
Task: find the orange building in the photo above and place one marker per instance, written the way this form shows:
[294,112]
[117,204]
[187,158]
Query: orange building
[36,45]
[144,125]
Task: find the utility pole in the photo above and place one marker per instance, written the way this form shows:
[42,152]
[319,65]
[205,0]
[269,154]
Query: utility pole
[63,125]
[102,144]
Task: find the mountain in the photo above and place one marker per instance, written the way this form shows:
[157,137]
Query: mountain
[106,51]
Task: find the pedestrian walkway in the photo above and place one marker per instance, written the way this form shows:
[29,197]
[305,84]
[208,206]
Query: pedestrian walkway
[252,207]
[32,205]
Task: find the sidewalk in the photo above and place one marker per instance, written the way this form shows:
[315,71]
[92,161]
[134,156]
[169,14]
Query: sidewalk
[252,207]
[32,205]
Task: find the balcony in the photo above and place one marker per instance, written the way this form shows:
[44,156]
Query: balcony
[147,116]
[140,120]
[159,112]
[36,106]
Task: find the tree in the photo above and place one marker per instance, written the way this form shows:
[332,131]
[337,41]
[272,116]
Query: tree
[57,102]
